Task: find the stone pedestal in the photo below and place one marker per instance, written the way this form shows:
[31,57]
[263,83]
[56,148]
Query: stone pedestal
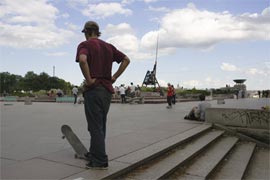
[27,101]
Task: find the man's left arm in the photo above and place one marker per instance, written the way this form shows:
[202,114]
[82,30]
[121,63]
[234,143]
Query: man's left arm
[121,68]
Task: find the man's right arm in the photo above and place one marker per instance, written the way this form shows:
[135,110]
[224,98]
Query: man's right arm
[121,68]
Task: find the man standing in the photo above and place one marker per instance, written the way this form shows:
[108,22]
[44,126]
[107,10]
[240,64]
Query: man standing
[132,90]
[122,94]
[75,93]
[95,57]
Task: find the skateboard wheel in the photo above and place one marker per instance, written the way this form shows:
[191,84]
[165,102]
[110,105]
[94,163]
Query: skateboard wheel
[63,137]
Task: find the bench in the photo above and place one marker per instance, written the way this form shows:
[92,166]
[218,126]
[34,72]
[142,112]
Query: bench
[220,101]
[10,98]
[65,99]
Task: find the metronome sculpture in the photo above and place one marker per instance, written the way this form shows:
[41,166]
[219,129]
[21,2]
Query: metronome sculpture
[150,76]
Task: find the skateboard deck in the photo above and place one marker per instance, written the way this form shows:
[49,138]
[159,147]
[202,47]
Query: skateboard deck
[74,141]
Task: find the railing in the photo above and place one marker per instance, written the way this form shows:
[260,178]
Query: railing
[65,99]
[10,98]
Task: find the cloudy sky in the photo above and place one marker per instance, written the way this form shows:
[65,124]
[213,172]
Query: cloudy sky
[202,43]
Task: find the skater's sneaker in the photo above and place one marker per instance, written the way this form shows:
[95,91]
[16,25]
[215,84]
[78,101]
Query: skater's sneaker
[169,107]
[87,156]
[92,165]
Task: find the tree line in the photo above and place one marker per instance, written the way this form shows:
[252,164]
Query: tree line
[11,83]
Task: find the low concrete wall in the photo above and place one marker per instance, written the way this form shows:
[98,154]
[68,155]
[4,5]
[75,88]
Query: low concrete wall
[250,118]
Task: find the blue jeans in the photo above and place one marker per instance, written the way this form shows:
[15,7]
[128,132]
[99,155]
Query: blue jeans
[96,104]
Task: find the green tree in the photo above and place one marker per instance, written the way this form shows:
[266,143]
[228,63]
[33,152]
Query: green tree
[31,81]
[9,82]
[43,81]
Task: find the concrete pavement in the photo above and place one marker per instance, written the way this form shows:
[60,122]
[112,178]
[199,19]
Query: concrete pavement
[32,147]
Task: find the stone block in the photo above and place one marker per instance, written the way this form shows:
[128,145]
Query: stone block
[220,101]
[251,118]
[27,101]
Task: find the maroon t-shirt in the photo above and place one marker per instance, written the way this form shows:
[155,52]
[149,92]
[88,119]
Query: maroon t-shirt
[100,56]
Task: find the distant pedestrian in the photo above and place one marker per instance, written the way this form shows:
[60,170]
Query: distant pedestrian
[59,93]
[169,96]
[122,94]
[75,93]
[174,95]
[132,90]
[95,58]
[138,91]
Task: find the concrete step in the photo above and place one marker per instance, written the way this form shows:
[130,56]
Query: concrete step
[207,161]
[166,164]
[235,165]
[259,167]
[144,155]
[129,162]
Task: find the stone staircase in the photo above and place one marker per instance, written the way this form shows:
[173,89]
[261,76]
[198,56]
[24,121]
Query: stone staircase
[199,153]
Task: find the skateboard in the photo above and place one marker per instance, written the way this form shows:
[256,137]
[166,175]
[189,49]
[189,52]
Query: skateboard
[74,141]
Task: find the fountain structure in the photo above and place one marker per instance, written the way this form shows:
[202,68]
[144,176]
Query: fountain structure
[240,87]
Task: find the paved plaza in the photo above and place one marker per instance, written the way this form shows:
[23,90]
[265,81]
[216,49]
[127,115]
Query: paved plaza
[32,146]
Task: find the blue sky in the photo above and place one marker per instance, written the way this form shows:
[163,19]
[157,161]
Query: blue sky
[202,43]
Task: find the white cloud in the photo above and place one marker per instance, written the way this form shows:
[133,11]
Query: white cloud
[127,1]
[158,9]
[263,71]
[56,54]
[72,26]
[162,83]
[191,27]
[24,26]
[125,42]
[267,65]
[150,1]
[65,15]
[228,67]
[77,3]
[202,83]
[103,10]
[122,36]
[114,30]
[21,11]
[191,83]
[255,71]
[266,12]
[215,83]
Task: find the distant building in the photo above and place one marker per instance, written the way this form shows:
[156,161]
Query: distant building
[240,84]
[241,88]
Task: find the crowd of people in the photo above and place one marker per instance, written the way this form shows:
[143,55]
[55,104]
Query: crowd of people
[124,91]
[264,94]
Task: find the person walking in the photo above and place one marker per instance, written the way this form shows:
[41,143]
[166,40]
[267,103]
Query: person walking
[169,96]
[75,93]
[95,58]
